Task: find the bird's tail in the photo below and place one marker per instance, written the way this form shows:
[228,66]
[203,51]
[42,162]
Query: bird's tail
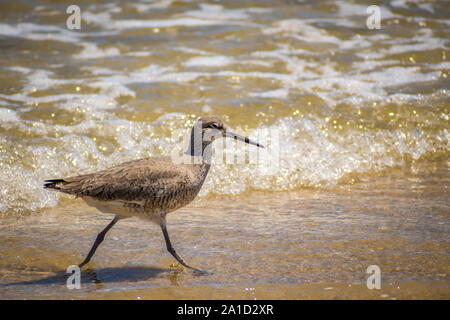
[53,184]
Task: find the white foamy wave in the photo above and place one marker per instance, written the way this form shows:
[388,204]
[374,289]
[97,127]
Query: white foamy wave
[143,7]
[151,24]
[312,157]
[279,93]
[8,115]
[216,61]
[70,150]
[206,15]
[399,75]
[92,51]
[306,154]
[301,30]
[218,12]
[406,4]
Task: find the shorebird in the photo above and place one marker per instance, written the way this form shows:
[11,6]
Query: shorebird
[150,188]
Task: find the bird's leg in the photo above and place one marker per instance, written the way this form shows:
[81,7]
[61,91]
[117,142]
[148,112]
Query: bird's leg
[170,248]
[99,240]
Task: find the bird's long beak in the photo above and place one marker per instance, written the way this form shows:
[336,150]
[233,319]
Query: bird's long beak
[235,136]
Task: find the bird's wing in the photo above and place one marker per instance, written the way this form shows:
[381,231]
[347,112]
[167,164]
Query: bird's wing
[133,180]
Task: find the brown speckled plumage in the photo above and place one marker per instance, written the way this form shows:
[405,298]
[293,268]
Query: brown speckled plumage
[149,188]
[147,185]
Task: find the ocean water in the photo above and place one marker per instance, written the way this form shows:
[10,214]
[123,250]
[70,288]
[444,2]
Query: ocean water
[338,105]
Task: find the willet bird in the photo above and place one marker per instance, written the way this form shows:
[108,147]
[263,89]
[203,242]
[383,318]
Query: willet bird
[150,188]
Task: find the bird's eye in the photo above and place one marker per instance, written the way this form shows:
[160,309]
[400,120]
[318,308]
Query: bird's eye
[214,125]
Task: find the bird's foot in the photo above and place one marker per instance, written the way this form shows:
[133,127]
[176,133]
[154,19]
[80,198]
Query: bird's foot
[195,270]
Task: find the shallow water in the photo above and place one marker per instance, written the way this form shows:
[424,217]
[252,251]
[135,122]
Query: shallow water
[308,244]
[355,122]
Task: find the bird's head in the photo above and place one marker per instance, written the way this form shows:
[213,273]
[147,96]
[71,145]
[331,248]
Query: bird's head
[209,128]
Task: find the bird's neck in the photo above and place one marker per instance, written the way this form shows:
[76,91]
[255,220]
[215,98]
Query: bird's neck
[200,158]
[199,148]
[201,155]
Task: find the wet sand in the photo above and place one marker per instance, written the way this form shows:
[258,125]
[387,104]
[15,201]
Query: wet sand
[307,244]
